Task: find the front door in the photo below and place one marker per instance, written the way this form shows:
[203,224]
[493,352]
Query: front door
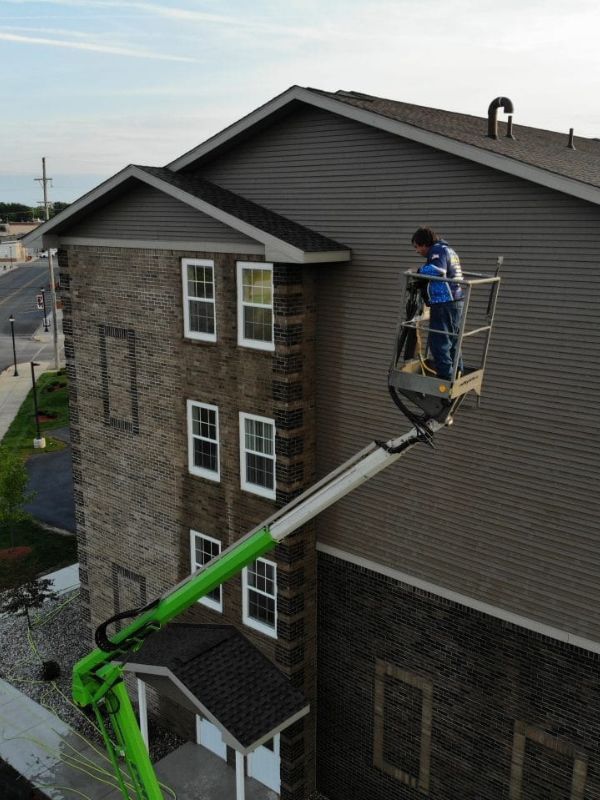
[263,764]
[209,736]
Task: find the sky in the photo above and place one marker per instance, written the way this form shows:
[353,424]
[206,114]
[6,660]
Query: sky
[94,85]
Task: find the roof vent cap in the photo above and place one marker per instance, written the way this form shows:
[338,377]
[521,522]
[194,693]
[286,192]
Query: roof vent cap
[499,102]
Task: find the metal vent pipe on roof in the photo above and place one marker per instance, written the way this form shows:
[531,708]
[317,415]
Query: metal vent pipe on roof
[509,130]
[571,144]
[499,102]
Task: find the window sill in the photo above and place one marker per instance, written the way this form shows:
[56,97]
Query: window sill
[260,627]
[268,494]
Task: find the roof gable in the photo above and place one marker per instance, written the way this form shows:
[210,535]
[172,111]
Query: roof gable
[535,155]
[284,240]
[223,676]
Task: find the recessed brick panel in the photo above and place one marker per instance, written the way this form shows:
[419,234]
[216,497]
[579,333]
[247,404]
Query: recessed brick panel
[119,378]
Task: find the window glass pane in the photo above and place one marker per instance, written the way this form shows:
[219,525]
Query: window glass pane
[259,470]
[205,454]
[261,608]
[208,423]
[200,282]
[256,285]
[202,316]
[206,550]
[258,323]
[261,589]
[259,436]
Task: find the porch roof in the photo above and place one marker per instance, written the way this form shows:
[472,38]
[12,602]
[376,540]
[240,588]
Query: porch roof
[216,672]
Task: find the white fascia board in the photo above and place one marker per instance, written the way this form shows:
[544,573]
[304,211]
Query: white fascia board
[83,201]
[278,729]
[496,161]
[326,257]
[504,614]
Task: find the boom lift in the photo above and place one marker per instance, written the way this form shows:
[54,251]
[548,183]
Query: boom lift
[98,677]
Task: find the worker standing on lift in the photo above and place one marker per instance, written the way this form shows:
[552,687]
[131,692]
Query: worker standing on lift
[445,300]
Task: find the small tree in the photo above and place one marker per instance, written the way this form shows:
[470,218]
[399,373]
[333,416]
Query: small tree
[13,494]
[22,599]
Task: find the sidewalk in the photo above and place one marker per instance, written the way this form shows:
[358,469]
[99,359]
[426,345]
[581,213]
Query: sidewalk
[48,753]
[13,390]
[61,764]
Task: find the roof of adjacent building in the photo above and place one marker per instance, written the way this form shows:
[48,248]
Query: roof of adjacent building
[258,216]
[233,682]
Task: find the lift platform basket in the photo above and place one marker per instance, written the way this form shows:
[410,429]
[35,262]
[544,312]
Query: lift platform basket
[412,372]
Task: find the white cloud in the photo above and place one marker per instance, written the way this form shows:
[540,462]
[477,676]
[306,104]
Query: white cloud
[94,47]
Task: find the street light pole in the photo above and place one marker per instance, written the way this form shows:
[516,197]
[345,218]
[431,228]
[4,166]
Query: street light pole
[39,441]
[11,319]
[43,291]
[53,296]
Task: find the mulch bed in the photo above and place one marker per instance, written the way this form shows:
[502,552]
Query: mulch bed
[14,553]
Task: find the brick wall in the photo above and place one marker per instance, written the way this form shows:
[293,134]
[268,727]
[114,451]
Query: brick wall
[419,696]
[131,373]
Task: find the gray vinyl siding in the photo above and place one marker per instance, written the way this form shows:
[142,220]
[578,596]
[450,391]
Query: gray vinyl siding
[147,213]
[505,509]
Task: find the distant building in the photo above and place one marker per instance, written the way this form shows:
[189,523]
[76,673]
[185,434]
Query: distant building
[229,320]
[12,250]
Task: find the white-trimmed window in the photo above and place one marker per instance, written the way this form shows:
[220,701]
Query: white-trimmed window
[255,305]
[203,549]
[259,602]
[257,454]
[203,440]
[199,318]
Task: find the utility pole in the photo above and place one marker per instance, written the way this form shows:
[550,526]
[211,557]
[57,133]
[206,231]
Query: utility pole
[44,180]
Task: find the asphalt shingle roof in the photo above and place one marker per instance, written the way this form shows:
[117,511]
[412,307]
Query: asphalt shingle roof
[260,217]
[231,678]
[540,148]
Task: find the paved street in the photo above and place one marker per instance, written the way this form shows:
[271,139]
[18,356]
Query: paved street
[18,290]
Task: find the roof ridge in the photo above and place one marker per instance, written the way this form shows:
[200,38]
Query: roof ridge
[343,95]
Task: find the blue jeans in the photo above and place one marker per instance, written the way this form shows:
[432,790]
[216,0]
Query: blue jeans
[444,317]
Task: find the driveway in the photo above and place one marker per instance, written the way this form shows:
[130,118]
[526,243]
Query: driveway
[51,477]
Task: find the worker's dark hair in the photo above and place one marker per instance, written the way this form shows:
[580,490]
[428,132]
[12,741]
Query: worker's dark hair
[425,236]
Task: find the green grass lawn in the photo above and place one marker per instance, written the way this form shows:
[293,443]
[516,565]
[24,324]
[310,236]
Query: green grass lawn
[53,399]
[49,551]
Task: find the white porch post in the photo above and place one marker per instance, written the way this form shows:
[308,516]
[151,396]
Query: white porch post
[143,707]
[240,789]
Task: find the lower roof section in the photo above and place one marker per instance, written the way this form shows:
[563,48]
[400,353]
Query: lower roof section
[217,673]
[283,239]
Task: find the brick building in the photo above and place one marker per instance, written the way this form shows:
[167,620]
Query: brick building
[228,323]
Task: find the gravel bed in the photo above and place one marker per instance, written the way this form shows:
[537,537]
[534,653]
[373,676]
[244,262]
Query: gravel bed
[58,635]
